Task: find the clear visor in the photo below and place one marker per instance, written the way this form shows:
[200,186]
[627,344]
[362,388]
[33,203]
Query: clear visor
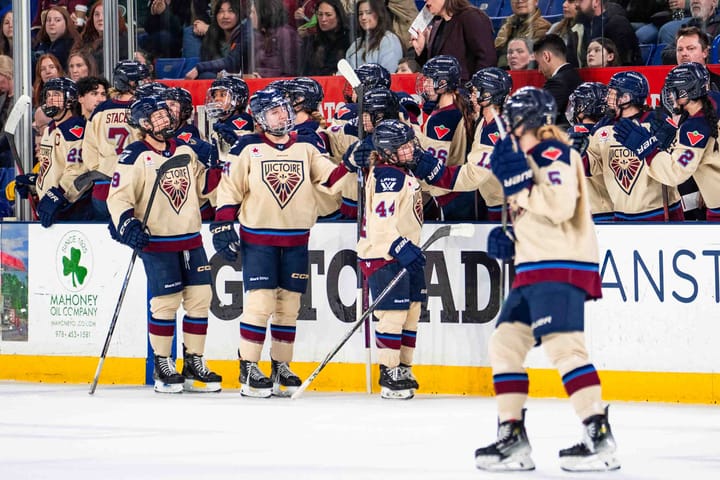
[570,110]
[670,99]
[218,102]
[278,120]
[425,87]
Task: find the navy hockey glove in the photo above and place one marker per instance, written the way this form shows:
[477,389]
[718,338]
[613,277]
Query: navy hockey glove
[50,205]
[636,138]
[501,244]
[663,130]
[408,254]
[226,132]
[510,167]
[358,155]
[225,240]
[427,167]
[580,138]
[131,233]
[23,184]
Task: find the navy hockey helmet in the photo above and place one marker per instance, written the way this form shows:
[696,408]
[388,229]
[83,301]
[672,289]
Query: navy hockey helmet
[441,74]
[160,127]
[590,100]
[150,88]
[381,104]
[183,97]
[129,74]
[271,110]
[493,85]
[389,137]
[281,85]
[688,80]
[529,107]
[226,95]
[69,92]
[305,94]
[371,75]
[633,83]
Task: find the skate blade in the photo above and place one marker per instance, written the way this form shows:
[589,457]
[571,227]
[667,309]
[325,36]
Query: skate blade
[283,391]
[397,394]
[594,463]
[200,387]
[512,463]
[161,387]
[247,391]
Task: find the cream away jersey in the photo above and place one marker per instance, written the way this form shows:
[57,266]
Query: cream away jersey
[174,221]
[270,188]
[340,138]
[634,194]
[443,135]
[554,230]
[600,203]
[61,148]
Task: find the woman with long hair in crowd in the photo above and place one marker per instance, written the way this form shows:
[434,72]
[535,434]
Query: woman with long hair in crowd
[91,38]
[6,34]
[376,42]
[57,36]
[81,64]
[323,46]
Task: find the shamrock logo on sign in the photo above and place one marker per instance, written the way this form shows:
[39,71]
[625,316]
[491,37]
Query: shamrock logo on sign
[72,267]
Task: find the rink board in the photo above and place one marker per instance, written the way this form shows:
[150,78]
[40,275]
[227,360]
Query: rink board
[652,336]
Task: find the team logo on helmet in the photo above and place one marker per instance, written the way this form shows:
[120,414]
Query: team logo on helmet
[176,186]
[283,178]
[625,167]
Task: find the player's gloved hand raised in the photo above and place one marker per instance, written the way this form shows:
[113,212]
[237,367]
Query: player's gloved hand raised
[409,255]
[501,244]
[580,138]
[358,155]
[23,184]
[49,206]
[635,137]
[226,132]
[225,240]
[663,129]
[426,167]
[131,233]
[510,167]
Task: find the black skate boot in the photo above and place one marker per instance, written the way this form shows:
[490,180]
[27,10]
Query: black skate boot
[197,376]
[285,382]
[167,379]
[596,453]
[511,451]
[407,373]
[253,381]
[395,384]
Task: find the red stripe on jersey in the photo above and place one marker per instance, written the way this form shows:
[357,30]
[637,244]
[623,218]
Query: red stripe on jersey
[583,279]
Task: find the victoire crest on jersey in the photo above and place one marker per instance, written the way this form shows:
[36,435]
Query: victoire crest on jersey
[176,186]
[283,178]
[625,166]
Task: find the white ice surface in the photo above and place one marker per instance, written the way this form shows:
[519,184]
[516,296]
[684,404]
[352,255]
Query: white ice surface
[60,432]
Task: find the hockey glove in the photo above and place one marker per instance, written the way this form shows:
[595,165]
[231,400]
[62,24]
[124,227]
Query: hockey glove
[501,244]
[23,184]
[427,167]
[636,138]
[131,233]
[358,155]
[226,132]
[50,205]
[510,167]
[580,138]
[408,255]
[661,127]
[225,240]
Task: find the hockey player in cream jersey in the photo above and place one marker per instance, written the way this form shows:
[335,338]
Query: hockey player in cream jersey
[555,252]
[225,103]
[694,151]
[170,247]
[268,186]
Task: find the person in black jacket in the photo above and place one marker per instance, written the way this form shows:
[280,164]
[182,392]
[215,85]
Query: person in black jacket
[561,78]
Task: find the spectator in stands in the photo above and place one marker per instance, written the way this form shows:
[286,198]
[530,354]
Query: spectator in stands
[646,16]
[225,45]
[6,34]
[407,65]
[602,52]
[600,18]
[322,48]
[300,12]
[526,21]
[460,30]
[147,59]
[69,5]
[163,31]
[57,36]
[276,44]
[402,14]
[47,67]
[91,39]
[562,28]
[694,46]
[375,42]
[705,16]
[193,33]
[561,78]
[7,165]
[81,65]
[520,54]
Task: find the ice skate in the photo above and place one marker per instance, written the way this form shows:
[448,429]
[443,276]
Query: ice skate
[167,379]
[596,453]
[285,382]
[253,381]
[198,378]
[511,451]
[395,384]
[407,373]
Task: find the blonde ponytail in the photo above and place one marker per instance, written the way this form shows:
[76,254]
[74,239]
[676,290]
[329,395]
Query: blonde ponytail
[552,132]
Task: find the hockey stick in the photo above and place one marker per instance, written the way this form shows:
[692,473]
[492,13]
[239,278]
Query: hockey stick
[11,124]
[347,71]
[86,180]
[503,209]
[177,161]
[456,230]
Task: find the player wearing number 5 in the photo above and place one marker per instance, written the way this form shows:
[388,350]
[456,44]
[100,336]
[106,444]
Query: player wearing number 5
[555,251]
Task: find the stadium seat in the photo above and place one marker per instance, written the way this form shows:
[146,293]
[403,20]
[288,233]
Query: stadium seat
[497,23]
[506,9]
[553,18]
[190,62]
[169,67]
[715,50]
[656,58]
[647,49]
[490,7]
[553,7]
